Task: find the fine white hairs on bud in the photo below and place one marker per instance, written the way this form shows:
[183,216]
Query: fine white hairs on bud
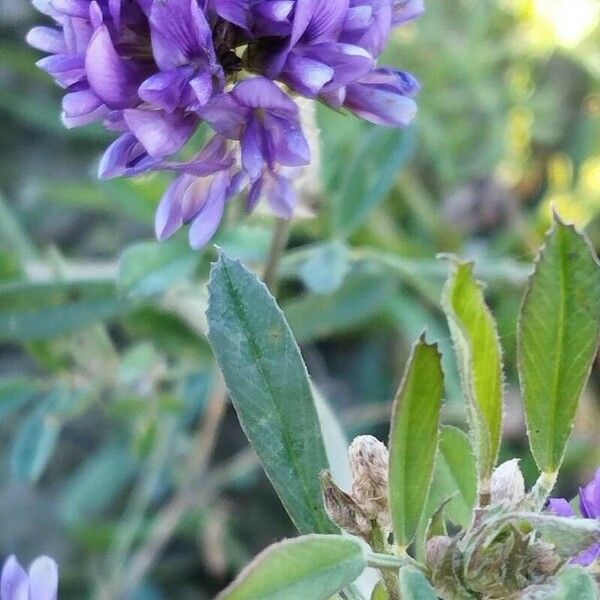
[508,486]
[369,465]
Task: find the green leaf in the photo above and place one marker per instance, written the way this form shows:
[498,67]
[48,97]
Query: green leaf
[570,536]
[370,177]
[36,440]
[270,389]
[413,438]
[414,585]
[453,491]
[326,267]
[576,583]
[40,311]
[313,566]
[456,475]
[379,592]
[97,482]
[149,268]
[479,358]
[360,298]
[559,326]
[336,443]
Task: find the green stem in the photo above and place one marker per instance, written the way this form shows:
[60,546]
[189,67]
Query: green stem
[281,235]
[385,561]
[387,564]
[541,491]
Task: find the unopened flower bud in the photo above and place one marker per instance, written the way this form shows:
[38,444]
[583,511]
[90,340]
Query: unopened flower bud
[437,550]
[342,509]
[508,486]
[542,561]
[369,465]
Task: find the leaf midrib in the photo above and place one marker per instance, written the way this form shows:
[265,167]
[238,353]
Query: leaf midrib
[558,346]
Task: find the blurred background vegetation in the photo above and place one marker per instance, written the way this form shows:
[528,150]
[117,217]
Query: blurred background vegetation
[114,458]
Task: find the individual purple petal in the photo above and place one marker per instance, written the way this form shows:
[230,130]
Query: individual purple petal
[588,557]
[278,192]
[260,92]
[47,39]
[560,507]
[268,15]
[162,134]
[78,33]
[253,147]
[66,69]
[180,32]
[318,20]
[203,87]
[72,8]
[14,584]
[214,157]
[43,579]
[287,144]
[225,115]
[306,75]
[380,105]
[357,21]
[235,11]
[125,157]
[81,108]
[590,498]
[165,89]
[205,225]
[112,78]
[348,62]
[407,10]
[168,218]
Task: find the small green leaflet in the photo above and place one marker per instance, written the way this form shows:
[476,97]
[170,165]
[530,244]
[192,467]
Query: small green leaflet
[559,327]
[414,585]
[310,567]
[413,439]
[576,583]
[479,358]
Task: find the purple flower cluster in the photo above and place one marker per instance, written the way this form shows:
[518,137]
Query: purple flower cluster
[154,70]
[41,583]
[589,505]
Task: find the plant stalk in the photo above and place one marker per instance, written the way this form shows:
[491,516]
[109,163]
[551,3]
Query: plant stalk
[540,492]
[281,236]
[388,564]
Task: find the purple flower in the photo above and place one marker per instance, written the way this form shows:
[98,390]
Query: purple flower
[589,504]
[41,583]
[153,71]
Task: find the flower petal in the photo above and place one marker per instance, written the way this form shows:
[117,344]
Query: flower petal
[43,579]
[13,583]
[114,79]
[162,134]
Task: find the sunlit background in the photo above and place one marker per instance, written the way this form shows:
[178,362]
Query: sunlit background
[105,372]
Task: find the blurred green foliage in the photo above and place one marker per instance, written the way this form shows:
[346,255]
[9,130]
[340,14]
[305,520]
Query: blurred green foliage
[105,370]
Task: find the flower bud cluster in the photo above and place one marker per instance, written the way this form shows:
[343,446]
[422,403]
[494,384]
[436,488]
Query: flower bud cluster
[367,505]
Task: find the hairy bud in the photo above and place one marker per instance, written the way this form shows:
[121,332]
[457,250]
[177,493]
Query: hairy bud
[542,561]
[342,509]
[508,486]
[437,551]
[369,465]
